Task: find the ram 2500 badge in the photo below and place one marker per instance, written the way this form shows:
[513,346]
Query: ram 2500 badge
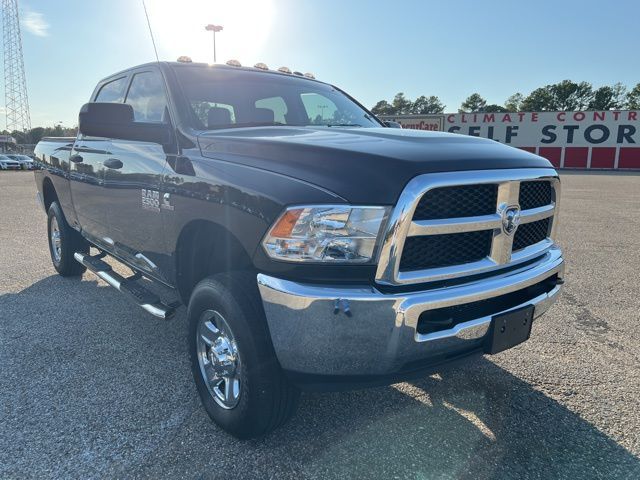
[313,246]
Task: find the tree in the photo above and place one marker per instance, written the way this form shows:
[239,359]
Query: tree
[569,95]
[424,105]
[514,102]
[401,104]
[473,103]
[609,98]
[37,133]
[565,95]
[633,98]
[539,100]
[493,108]
[383,108]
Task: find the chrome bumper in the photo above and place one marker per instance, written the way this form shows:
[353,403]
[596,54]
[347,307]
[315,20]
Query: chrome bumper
[325,330]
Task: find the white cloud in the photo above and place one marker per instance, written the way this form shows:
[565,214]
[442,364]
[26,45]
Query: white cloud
[34,22]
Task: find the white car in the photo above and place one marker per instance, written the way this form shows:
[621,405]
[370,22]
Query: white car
[7,163]
[26,162]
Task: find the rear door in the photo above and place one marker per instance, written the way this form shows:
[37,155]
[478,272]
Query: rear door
[87,171]
[133,178]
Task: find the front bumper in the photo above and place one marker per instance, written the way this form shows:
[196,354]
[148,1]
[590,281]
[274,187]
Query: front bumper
[347,331]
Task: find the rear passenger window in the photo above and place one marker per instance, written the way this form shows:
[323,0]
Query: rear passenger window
[112,92]
[146,96]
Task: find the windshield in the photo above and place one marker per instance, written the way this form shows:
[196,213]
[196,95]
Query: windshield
[223,98]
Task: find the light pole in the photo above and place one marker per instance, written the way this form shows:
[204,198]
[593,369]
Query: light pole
[214,29]
[321,108]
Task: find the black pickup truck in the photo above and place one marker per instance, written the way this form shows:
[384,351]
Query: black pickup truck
[314,247]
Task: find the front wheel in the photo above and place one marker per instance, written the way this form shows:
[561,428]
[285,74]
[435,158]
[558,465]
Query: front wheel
[234,366]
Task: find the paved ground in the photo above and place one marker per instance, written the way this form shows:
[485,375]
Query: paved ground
[91,386]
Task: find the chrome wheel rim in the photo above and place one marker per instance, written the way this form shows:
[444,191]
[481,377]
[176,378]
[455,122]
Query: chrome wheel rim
[219,359]
[56,243]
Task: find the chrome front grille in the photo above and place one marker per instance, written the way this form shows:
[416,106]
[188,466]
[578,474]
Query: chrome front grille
[450,225]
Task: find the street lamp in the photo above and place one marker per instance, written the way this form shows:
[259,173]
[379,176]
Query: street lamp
[214,29]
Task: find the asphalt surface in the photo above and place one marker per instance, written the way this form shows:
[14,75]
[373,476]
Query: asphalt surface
[91,386]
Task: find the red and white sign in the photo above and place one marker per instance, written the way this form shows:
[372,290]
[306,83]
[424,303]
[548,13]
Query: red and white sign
[593,139]
[419,122]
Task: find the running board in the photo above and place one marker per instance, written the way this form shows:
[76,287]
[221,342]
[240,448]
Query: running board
[143,297]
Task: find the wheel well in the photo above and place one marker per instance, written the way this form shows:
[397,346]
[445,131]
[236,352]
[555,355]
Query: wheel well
[205,248]
[49,194]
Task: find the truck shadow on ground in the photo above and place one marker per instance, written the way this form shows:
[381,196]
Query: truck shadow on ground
[92,386]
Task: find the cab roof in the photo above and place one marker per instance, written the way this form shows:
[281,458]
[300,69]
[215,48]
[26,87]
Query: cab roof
[217,66]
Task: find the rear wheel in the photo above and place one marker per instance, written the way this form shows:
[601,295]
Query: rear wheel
[64,241]
[234,366]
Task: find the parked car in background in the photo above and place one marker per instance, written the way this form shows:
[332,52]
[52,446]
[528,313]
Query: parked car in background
[25,161]
[7,163]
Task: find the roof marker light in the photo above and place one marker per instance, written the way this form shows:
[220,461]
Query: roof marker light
[184,59]
[284,70]
[234,63]
[298,73]
[310,75]
[261,66]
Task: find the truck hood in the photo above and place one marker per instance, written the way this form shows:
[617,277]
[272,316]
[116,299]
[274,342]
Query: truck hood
[362,165]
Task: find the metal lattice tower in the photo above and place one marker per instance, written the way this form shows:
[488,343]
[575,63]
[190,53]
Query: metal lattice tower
[15,82]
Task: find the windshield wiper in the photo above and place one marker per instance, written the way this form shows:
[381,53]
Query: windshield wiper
[341,125]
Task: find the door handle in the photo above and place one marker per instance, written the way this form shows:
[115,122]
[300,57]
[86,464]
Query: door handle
[75,159]
[113,163]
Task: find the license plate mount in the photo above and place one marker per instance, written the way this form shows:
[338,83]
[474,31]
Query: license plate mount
[509,329]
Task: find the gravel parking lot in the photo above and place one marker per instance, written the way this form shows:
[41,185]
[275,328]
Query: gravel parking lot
[91,386]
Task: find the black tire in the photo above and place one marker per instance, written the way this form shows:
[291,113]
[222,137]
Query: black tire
[70,242]
[267,399]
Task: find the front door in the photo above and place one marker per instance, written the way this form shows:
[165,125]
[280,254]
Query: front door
[133,179]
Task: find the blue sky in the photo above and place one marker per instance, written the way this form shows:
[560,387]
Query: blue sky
[372,49]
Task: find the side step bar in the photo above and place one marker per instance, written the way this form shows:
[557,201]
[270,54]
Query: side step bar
[143,297]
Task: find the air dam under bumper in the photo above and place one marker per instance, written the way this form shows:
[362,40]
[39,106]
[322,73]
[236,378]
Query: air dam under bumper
[359,331]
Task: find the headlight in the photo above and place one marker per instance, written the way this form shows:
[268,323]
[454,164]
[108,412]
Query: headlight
[326,233]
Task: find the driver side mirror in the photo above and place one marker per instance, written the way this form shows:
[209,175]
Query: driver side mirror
[116,120]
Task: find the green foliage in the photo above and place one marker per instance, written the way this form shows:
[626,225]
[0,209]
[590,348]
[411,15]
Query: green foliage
[514,102]
[564,95]
[609,98]
[493,108]
[401,104]
[424,105]
[473,103]
[633,98]
[383,108]
[37,133]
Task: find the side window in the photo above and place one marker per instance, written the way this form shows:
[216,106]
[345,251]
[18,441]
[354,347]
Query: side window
[277,105]
[146,96]
[320,109]
[112,92]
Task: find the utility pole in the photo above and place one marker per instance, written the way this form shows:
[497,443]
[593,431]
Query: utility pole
[214,29]
[15,83]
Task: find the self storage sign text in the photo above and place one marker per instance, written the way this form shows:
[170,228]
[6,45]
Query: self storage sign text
[591,128]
